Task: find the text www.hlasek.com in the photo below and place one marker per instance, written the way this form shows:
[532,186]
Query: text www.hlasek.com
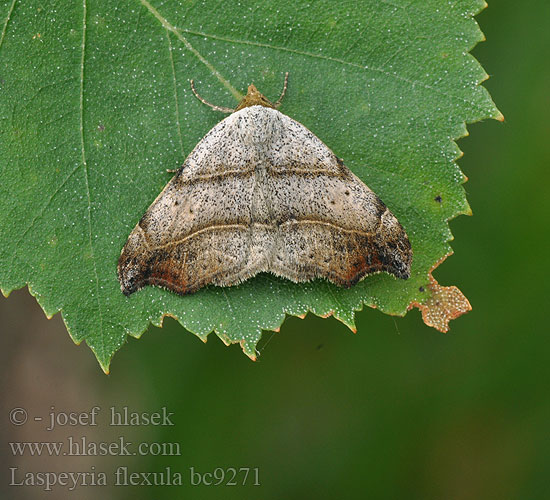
[81,447]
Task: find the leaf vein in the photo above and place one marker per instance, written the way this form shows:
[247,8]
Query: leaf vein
[413,83]
[86,173]
[169,27]
[8,17]
[42,210]
[170,48]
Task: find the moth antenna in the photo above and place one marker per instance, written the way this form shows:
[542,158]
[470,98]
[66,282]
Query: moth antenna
[204,101]
[278,103]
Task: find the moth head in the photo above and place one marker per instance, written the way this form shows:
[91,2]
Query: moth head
[254,98]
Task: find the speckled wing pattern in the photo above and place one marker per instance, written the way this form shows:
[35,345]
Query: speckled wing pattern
[261,193]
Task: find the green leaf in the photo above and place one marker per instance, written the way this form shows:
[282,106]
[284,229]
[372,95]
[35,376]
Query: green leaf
[95,105]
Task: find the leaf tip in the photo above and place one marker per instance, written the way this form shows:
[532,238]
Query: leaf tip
[251,353]
[350,323]
[105,364]
[224,338]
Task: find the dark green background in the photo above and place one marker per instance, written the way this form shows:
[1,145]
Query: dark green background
[396,411]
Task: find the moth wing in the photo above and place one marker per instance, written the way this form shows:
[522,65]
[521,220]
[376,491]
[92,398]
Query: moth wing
[330,224]
[197,230]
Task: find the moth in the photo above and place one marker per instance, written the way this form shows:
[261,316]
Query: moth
[261,193]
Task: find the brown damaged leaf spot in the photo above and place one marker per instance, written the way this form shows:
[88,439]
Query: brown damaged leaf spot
[444,304]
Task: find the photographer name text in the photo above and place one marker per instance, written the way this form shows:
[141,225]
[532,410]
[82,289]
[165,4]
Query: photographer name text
[118,417]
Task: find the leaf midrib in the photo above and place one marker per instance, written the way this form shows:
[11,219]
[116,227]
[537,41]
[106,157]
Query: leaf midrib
[86,174]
